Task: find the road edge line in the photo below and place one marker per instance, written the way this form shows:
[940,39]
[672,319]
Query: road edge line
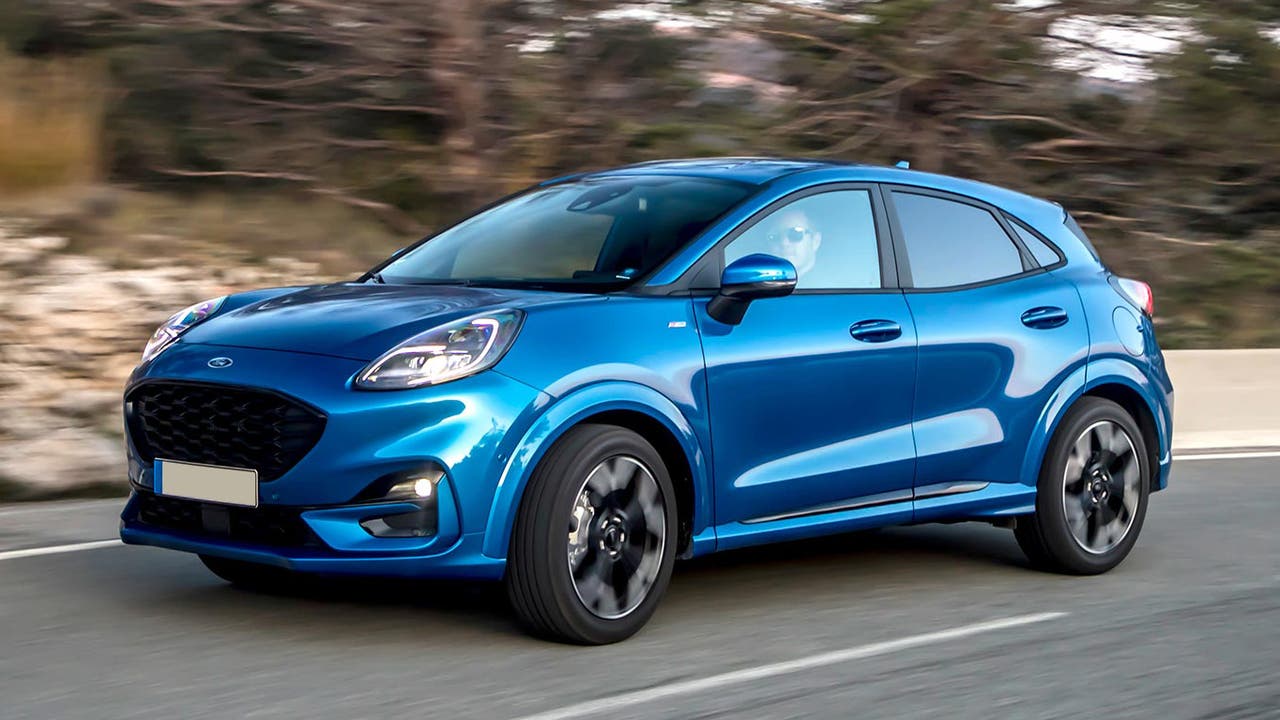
[1239,455]
[600,705]
[58,549]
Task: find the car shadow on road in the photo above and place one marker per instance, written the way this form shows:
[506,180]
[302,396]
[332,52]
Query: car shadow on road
[898,559]
[908,559]
[920,544]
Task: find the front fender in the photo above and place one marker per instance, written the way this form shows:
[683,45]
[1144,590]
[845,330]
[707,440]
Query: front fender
[564,413]
[1098,372]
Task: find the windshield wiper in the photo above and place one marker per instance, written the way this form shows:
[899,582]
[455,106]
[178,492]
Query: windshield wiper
[438,281]
[378,279]
[491,282]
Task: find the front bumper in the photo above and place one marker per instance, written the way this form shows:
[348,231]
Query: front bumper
[467,428]
[461,558]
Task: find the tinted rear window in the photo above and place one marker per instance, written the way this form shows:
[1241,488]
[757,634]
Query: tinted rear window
[952,243]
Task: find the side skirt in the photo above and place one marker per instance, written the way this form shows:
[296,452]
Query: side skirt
[920,493]
[950,501]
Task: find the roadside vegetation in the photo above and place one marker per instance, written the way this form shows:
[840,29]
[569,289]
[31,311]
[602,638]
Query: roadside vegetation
[157,152]
[337,131]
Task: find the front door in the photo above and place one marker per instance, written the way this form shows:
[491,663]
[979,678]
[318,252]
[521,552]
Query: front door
[810,396]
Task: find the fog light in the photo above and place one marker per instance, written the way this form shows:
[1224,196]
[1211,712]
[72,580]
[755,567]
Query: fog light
[416,487]
[420,487]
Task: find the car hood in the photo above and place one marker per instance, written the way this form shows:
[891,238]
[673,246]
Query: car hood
[354,320]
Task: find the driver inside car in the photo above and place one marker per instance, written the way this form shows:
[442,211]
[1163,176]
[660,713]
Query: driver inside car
[793,238]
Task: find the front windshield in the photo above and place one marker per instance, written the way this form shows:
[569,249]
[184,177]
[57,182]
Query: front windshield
[596,234]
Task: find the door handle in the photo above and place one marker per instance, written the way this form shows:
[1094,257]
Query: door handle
[1043,318]
[876,331]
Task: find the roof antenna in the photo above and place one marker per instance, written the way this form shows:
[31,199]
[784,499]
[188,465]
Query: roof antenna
[902,164]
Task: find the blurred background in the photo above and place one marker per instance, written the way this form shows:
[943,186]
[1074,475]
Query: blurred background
[154,153]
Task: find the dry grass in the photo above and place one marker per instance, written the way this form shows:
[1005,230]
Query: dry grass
[251,227]
[130,228]
[50,123]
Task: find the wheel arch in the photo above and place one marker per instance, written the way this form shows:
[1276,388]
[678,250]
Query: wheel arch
[1133,403]
[636,407]
[673,454]
[1121,382]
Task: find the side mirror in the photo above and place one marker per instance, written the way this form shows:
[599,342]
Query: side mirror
[750,278]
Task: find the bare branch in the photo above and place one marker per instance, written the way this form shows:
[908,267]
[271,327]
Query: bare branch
[1015,117]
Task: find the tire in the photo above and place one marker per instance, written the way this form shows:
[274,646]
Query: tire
[1091,498]
[250,576]
[595,538]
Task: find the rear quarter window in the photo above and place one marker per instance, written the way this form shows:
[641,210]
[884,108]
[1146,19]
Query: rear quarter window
[1078,231]
[1044,253]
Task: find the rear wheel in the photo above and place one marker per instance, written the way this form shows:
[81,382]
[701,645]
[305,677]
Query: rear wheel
[250,576]
[1092,494]
[594,542]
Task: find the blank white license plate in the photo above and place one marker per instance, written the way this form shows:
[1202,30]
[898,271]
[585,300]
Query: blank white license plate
[229,486]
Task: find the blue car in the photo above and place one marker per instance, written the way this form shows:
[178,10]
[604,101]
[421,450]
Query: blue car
[590,379]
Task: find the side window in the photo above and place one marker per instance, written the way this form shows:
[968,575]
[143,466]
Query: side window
[1040,250]
[953,243]
[830,238]
[1078,231]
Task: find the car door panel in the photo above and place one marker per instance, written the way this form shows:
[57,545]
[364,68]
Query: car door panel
[996,334]
[812,392]
[804,415]
[985,376]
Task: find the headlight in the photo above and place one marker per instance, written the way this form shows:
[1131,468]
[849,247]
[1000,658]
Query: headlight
[445,353]
[178,324]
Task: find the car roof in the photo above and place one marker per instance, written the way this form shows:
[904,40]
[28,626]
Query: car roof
[762,170]
[752,170]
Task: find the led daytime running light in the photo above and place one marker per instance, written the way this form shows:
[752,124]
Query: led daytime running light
[445,353]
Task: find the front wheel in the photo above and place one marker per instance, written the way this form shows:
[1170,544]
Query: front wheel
[594,542]
[1092,494]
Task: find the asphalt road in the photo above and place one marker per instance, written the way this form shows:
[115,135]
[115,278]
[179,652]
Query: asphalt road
[894,624]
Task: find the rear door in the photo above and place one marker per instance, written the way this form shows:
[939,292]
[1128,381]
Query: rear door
[997,333]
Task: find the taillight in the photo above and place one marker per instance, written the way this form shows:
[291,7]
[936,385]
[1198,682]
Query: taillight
[1136,292]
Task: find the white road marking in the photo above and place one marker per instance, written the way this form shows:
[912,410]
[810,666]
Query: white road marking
[57,549]
[59,505]
[604,705]
[1246,455]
